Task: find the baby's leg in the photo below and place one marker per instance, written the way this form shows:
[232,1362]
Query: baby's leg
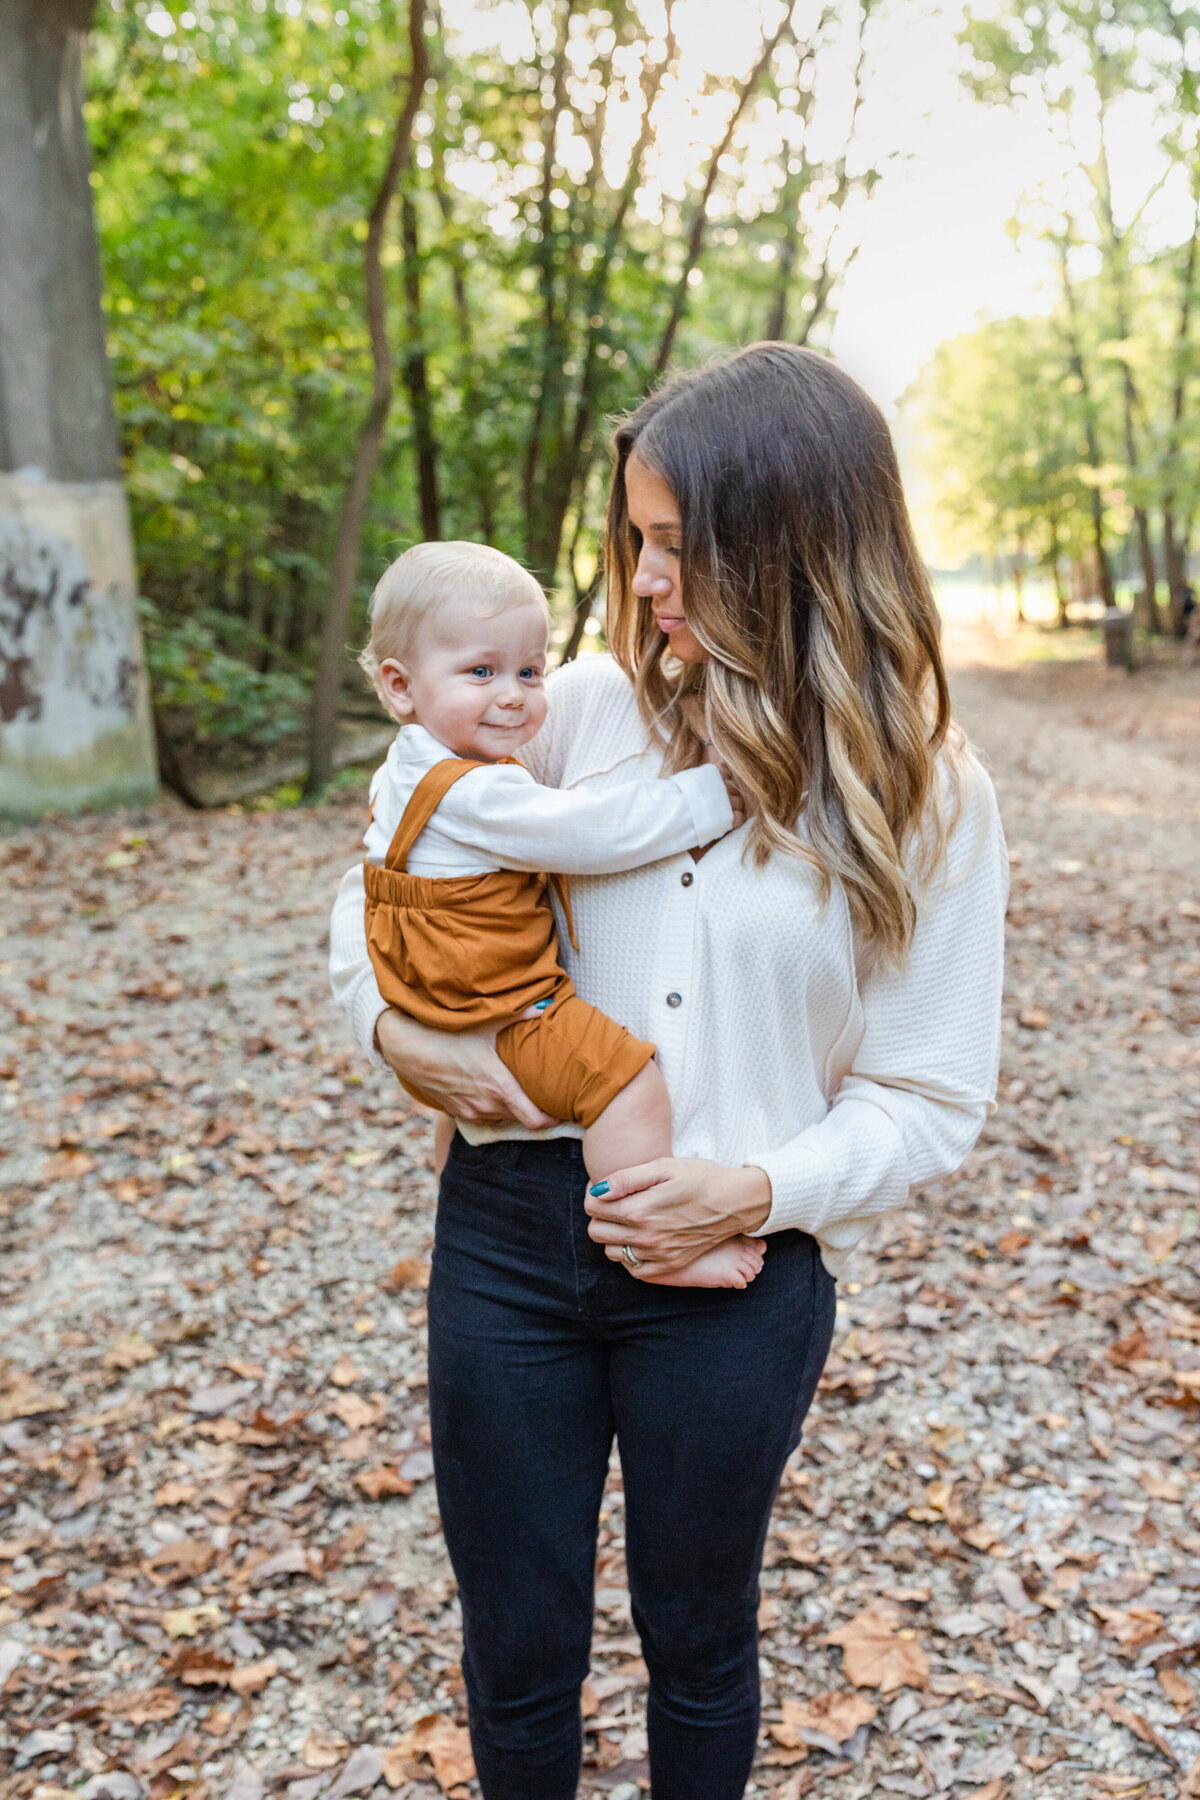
[635,1127]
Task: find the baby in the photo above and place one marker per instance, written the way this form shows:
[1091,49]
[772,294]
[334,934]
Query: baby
[459,922]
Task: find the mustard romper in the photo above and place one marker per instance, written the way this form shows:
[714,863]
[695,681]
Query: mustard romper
[464,950]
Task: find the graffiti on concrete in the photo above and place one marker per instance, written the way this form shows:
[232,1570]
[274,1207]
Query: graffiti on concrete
[67,667]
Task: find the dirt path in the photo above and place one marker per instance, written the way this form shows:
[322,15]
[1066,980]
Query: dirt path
[221,1558]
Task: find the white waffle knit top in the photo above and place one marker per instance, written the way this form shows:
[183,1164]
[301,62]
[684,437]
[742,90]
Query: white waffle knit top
[781,1044]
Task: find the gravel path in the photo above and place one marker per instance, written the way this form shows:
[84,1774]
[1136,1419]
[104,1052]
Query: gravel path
[221,1567]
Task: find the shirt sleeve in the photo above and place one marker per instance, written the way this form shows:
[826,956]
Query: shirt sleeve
[503,814]
[923,1078]
[351,974]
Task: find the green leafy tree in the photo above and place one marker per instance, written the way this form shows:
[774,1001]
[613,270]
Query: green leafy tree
[1080,61]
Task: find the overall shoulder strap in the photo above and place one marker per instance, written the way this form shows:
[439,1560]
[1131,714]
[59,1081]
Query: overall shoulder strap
[426,797]
[424,801]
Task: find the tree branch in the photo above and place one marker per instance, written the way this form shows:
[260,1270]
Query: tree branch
[348,549]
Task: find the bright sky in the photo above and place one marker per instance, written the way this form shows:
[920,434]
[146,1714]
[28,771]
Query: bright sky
[936,253]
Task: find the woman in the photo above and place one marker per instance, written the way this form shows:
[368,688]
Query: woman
[823,988]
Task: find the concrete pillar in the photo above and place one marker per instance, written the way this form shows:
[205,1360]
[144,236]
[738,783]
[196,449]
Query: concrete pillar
[75,726]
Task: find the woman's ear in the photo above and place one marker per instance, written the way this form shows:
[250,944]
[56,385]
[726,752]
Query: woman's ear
[396,683]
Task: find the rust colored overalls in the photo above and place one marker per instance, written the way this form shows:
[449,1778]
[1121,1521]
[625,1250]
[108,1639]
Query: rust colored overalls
[458,951]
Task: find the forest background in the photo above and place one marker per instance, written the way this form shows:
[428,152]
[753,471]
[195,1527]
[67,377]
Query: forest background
[385,272]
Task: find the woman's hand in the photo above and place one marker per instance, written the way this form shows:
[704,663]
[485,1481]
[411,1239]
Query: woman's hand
[671,1211]
[459,1070]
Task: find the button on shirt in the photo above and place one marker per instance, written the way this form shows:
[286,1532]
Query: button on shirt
[845,1080]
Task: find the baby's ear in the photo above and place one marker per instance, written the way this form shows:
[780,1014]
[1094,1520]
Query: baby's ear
[396,683]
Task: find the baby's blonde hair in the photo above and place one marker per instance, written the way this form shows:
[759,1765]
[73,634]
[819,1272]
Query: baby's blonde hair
[431,576]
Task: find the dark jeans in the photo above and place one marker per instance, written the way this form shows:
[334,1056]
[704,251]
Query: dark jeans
[540,1349]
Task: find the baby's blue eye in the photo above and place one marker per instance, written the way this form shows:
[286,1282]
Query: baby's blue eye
[482,670]
[528,674]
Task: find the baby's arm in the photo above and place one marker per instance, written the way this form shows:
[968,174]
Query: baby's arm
[508,817]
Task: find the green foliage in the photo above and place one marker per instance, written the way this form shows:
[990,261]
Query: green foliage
[998,416]
[207,696]
[236,148]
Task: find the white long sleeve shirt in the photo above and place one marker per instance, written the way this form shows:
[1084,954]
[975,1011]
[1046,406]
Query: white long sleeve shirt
[500,817]
[782,1045]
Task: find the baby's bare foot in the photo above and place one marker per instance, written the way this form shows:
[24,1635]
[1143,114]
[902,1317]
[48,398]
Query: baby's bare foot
[733,1264]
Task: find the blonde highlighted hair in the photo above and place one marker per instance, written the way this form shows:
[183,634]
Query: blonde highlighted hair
[429,578]
[824,688]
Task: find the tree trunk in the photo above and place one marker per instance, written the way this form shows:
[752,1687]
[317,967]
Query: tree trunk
[566,474]
[1017,562]
[475,453]
[1079,369]
[793,192]
[344,576]
[1113,243]
[1141,518]
[545,430]
[794,188]
[1175,562]
[1062,617]
[75,726]
[585,592]
[695,247]
[585,600]
[415,369]
[1174,553]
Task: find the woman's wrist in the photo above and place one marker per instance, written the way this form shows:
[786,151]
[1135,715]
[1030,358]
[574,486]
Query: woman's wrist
[751,1194]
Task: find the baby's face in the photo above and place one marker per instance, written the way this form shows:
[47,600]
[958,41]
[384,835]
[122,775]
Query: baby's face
[475,680]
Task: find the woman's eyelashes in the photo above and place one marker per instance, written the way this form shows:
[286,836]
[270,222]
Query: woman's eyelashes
[636,540]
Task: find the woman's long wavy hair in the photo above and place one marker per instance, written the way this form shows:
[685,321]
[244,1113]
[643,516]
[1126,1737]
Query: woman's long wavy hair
[824,688]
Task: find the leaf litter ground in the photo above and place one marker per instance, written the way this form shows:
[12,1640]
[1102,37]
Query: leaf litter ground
[221,1571]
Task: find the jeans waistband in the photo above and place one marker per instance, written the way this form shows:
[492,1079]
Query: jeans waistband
[555,1157]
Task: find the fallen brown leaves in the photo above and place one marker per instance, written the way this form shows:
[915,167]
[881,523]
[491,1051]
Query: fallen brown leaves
[178,1561]
[219,1543]
[1108,1701]
[25,1398]
[879,1650]
[446,1745]
[836,1715]
[377,1484]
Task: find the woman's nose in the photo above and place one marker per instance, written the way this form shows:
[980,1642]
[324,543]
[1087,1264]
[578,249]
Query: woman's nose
[649,584]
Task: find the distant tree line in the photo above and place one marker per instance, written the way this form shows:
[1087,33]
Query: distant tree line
[1069,441]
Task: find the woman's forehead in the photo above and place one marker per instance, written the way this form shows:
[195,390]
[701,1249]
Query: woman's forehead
[647,493]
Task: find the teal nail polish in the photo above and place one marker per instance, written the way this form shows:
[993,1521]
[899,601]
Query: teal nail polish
[599,1190]
[541,1005]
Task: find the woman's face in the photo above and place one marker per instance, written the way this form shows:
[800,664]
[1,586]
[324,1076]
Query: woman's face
[657,528]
